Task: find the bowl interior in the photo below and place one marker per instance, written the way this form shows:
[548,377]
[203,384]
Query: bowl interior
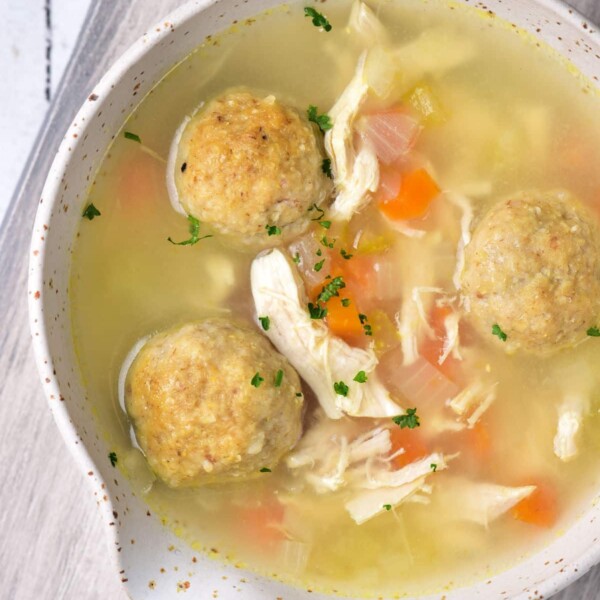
[152,561]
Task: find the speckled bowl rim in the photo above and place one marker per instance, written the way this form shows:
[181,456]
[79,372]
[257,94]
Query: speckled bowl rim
[50,195]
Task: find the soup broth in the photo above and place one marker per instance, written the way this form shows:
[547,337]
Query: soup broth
[493,129]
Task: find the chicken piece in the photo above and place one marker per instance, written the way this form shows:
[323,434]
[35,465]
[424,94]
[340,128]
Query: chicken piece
[320,358]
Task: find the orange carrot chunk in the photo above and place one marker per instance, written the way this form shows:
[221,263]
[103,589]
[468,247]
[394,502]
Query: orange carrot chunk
[417,191]
[539,508]
[413,444]
[343,321]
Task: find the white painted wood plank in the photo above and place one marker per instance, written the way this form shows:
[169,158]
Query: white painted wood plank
[52,544]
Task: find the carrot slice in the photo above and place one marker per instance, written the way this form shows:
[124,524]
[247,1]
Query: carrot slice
[343,321]
[260,524]
[539,508]
[413,444]
[417,191]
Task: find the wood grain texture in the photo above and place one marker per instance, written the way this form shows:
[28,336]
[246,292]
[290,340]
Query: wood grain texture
[52,545]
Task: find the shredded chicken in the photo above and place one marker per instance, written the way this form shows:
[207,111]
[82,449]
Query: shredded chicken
[479,502]
[320,358]
[366,26]
[465,206]
[473,401]
[570,420]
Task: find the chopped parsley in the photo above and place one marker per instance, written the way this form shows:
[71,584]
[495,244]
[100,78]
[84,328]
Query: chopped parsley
[265,322]
[323,121]
[319,210]
[319,252]
[345,254]
[113,458]
[273,230]
[278,378]
[346,302]
[132,136]
[340,388]
[593,332]
[327,243]
[296,258]
[331,289]
[361,377]
[265,470]
[433,467]
[325,224]
[498,332]
[194,230]
[90,212]
[316,312]
[409,419]
[256,380]
[364,322]
[183,167]
[318,266]
[326,167]
[298,394]
[318,19]
[387,506]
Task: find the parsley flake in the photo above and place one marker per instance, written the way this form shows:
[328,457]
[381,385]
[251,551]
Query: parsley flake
[90,212]
[409,419]
[593,332]
[298,394]
[319,252]
[325,224]
[340,388]
[273,230]
[265,470]
[278,378]
[113,458]
[132,136]
[326,167]
[345,254]
[318,19]
[346,302]
[327,243]
[387,506]
[323,121]
[498,332]
[265,322]
[361,377]
[318,266]
[316,312]
[296,258]
[194,230]
[364,322]
[331,289]
[433,467]
[256,380]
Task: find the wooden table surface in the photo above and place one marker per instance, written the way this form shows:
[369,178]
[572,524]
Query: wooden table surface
[52,544]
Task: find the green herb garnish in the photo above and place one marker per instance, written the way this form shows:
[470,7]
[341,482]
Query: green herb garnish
[316,312]
[265,470]
[318,19]
[325,224]
[113,458]
[323,121]
[433,467]
[331,289]
[345,254]
[593,332]
[278,378]
[327,243]
[298,394]
[340,388]
[387,506]
[498,332]
[319,252]
[265,322]
[273,230]
[296,258]
[90,212]
[132,136]
[256,380]
[346,302]
[361,377]
[318,266]
[409,419]
[366,327]
[326,167]
[194,230]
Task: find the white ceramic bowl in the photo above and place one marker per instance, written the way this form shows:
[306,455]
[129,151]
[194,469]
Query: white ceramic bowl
[57,221]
